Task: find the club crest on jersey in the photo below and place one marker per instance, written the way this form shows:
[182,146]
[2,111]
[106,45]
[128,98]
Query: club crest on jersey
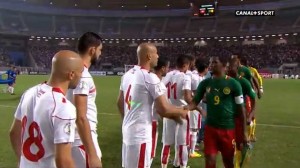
[226,90]
[67,128]
[207,89]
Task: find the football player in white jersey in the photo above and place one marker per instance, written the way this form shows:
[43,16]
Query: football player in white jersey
[202,70]
[195,116]
[44,124]
[180,94]
[138,91]
[160,70]
[86,150]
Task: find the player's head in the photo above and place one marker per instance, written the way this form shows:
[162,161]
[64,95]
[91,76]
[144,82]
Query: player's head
[183,62]
[218,65]
[192,62]
[237,55]
[232,67]
[147,54]
[67,67]
[201,66]
[162,66]
[244,61]
[90,44]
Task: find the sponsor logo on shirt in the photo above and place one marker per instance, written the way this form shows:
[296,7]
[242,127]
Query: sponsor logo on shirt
[67,128]
[207,89]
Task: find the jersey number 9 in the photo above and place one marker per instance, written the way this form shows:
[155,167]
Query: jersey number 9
[216,100]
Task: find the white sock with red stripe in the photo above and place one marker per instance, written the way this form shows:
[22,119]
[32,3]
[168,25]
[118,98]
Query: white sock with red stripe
[182,156]
[165,156]
[193,141]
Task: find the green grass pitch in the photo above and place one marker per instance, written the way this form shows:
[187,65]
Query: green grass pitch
[278,132]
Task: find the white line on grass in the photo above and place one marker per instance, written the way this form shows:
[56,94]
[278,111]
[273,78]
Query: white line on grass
[112,114]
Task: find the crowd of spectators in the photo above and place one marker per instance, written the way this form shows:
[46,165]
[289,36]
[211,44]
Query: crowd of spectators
[259,56]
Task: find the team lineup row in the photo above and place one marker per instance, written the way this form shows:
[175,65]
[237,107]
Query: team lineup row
[55,123]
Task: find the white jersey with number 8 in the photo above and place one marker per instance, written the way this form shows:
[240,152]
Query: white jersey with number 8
[48,118]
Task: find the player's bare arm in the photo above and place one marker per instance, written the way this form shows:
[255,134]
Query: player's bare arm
[188,96]
[84,130]
[120,103]
[63,156]
[165,109]
[15,137]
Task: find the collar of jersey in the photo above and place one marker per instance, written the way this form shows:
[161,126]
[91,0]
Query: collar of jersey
[143,68]
[55,89]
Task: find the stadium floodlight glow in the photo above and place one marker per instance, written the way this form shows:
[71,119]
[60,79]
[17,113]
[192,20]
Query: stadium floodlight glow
[262,39]
[241,37]
[267,35]
[178,41]
[247,36]
[273,35]
[253,39]
[159,39]
[259,36]
[168,5]
[182,38]
[99,6]
[73,38]
[195,38]
[166,39]
[138,39]
[208,38]
[254,36]
[228,37]
[144,39]
[216,38]
[145,6]
[44,37]
[221,37]
[103,42]
[75,4]
[286,34]
[177,38]
[202,38]
[235,40]
[295,34]
[220,40]
[62,38]
[123,39]
[51,3]
[227,40]
[117,42]
[172,41]
[279,35]
[67,38]
[56,38]
[189,38]
[122,6]
[281,38]
[185,41]
[234,37]
[38,37]
[30,39]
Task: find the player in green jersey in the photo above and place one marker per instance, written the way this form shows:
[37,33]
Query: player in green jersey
[224,102]
[247,92]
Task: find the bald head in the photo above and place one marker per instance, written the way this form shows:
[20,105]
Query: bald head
[67,66]
[147,54]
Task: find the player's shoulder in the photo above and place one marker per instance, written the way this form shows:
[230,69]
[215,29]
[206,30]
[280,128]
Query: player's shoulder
[151,78]
[86,74]
[64,109]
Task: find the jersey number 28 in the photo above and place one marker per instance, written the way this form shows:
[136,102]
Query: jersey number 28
[35,138]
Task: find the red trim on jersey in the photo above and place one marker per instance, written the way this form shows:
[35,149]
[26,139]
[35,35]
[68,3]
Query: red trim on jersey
[93,90]
[57,90]
[142,156]
[145,68]
[165,156]
[54,106]
[154,133]
[187,130]
[62,118]
[86,156]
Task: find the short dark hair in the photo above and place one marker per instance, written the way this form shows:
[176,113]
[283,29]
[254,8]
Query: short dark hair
[244,61]
[182,59]
[201,65]
[162,62]
[222,59]
[87,40]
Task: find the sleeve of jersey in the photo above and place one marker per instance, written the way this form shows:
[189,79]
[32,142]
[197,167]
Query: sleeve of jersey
[82,87]
[187,82]
[200,92]
[194,82]
[259,78]
[250,92]
[238,93]
[154,86]
[18,113]
[64,125]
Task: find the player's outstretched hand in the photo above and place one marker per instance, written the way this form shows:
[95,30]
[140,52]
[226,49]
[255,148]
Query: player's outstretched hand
[94,162]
